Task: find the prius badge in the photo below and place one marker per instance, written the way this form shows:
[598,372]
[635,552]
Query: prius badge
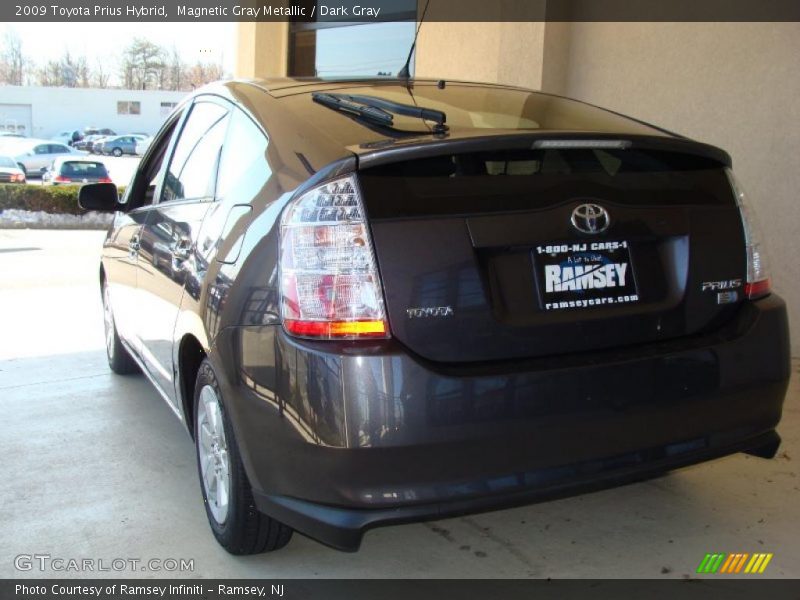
[590,218]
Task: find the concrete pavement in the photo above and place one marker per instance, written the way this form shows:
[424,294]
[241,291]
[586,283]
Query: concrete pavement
[96,466]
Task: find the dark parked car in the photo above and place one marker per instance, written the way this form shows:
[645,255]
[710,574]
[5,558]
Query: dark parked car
[393,301]
[87,142]
[69,171]
[95,131]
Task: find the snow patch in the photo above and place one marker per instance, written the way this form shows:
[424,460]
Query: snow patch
[13,218]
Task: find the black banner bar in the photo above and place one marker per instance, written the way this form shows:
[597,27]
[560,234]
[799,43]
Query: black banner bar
[369,11]
[731,588]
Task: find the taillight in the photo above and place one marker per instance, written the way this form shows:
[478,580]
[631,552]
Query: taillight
[105,180]
[758,280]
[62,179]
[330,287]
[18,178]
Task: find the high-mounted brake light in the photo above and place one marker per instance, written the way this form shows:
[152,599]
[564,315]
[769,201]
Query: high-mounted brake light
[758,279]
[330,287]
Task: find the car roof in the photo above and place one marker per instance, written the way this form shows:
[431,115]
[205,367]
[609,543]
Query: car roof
[301,129]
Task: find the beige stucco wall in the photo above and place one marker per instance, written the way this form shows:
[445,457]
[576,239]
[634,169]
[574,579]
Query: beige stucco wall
[481,52]
[736,85]
[261,49]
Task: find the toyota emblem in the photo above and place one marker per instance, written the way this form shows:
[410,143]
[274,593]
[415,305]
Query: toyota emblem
[590,218]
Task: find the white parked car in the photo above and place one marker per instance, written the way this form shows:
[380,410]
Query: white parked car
[9,171]
[142,145]
[32,156]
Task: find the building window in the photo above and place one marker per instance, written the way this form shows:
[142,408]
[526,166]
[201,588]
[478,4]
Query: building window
[330,49]
[166,108]
[129,107]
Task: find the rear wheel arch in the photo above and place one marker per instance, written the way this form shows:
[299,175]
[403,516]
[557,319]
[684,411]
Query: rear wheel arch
[190,356]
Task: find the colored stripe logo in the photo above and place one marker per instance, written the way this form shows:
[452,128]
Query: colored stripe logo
[740,562]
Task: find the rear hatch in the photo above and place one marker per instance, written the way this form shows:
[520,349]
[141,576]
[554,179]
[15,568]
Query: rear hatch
[546,248]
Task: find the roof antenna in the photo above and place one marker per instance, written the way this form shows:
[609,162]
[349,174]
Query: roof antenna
[405,72]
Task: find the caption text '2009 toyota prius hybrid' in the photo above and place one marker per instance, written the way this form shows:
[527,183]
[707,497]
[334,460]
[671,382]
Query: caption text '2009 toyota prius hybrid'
[376,302]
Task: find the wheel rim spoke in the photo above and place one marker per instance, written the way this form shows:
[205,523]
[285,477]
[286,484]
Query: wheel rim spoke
[212,450]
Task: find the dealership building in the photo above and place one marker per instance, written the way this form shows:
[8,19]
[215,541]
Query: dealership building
[42,112]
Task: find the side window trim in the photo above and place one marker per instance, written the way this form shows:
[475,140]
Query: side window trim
[159,178]
[220,101]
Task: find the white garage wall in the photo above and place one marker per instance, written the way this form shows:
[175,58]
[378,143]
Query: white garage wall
[57,109]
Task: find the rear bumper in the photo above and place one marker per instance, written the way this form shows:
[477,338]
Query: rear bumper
[343,528]
[337,440]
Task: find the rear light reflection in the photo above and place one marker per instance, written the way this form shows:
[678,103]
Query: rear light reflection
[757,289]
[337,329]
[758,281]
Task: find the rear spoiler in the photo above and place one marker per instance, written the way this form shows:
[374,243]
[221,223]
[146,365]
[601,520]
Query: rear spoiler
[399,150]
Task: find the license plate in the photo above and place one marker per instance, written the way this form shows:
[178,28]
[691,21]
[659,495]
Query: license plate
[584,274]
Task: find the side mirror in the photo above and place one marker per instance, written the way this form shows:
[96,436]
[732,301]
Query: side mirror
[102,197]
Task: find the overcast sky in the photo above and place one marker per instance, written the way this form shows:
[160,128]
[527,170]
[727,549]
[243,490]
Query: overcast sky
[208,42]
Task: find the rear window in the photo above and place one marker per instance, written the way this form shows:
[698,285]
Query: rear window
[502,181]
[6,162]
[84,169]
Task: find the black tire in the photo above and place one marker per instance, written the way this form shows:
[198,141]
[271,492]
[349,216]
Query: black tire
[244,530]
[119,359]
[117,152]
[23,169]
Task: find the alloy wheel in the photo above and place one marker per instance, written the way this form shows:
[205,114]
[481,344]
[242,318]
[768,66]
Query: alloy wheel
[212,448]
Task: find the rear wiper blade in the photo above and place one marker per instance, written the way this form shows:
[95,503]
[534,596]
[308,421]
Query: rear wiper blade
[339,102]
[379,110]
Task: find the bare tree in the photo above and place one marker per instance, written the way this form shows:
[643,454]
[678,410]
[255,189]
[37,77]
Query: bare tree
[12,60]
[142,65]
[203,73]
[100,77]
[67,71]
[49,74]
[175,71]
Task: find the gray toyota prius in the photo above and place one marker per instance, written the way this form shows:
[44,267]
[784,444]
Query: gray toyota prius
[382,301]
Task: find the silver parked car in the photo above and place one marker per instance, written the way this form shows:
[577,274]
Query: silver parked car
[34,155]
[118,145]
